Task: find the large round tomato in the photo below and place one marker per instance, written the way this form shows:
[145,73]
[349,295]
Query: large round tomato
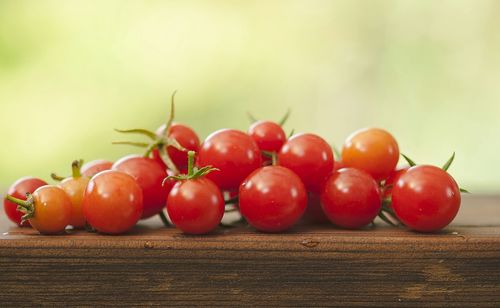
[351,198]
[195,206]
[234,153]
[272,199]
[373,150]
[149,174]
[19,190]
[426,198]
[112,202]
[310,157]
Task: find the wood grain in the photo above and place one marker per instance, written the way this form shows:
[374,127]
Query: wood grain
[309,266]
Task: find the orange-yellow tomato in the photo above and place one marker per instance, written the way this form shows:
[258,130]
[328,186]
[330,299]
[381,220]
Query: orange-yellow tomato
[373,150]
[75,189]
[51,210]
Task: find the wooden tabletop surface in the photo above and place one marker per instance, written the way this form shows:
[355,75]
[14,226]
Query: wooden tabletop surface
[308,266]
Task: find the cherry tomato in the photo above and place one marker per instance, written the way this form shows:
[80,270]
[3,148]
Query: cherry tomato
[373,150]
[351,198]
[268,135]
[310,157]
[314,212]
[234,153]
[75,186]
[426,198]
[272,199]
[48,209]
[392,179]
[94,167]
[185,136]
[18,190]
[112,202]
[149,174]
[195,206]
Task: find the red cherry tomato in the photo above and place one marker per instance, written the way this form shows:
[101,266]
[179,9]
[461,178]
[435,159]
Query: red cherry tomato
[195,206]
[112,202]
[18,190]
[351,198]
[268,135]
[149,174]
[392,179]
[234,153]
[373,150]
[314,212]
[272,199]
[94,167]
[185,136]
[310,157]
[426,198]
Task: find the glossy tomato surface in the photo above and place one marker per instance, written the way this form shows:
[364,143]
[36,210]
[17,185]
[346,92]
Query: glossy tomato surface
[373,150]
[351,198]
[52,210]
[272,199]
[94,167]
[75,189]
[426,198]
[268,135]
[195,206]
[234,153]
[112,202]
[186,137]
[310,157]
[149,174]
[18,190]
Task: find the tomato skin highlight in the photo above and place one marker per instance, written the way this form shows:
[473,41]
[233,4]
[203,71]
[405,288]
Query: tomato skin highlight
[94,167]
[310,157]
[18,190]
[149,174]
[268,135]
[426,198]
[234,153]
[351,198]
[272,199]
[52,210]
[373,150]
[75,189]
[185,136]
[195,206]
[112,202]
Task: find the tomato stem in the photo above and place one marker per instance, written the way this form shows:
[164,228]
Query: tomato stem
[274,158]
[20,202]
[191,163]
[76,165]
[172,114]
[285,117]
[56,177]
[164,219]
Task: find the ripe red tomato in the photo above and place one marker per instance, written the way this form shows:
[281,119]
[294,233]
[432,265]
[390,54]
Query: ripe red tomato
[234,153]
[392,179]
[426,198]
[373,150]
[272,199]
[186,137]
[351,198]
[310,157]
[268,135]
[112,202]
[149,174]
[48,209]
[94,167]
[18,190]
[195,206]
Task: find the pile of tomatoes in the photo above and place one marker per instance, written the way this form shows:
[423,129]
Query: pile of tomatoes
[273,180]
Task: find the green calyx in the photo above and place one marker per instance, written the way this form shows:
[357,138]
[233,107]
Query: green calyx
[281,122]
[25,206]
[193,172]
[272,155]
[159,142]
[410,162]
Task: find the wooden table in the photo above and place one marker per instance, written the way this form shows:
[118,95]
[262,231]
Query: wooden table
[309,266]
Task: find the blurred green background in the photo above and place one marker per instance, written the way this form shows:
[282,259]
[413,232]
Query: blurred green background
[428,71]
